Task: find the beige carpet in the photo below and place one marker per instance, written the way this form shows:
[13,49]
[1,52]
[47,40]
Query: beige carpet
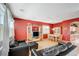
[46,43]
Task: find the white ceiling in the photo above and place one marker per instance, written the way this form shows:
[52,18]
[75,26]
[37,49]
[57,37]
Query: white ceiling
[45,12]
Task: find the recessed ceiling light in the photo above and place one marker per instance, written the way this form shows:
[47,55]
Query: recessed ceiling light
[22,10]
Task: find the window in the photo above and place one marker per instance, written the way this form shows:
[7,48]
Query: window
[1,24]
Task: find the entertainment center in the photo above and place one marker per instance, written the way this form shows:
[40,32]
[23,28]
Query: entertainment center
[34,32]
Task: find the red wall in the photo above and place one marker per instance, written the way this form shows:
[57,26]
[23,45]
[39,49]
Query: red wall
[20,30]
[35,28]
[65,31]
[20,26]
[51,26]
[65,28]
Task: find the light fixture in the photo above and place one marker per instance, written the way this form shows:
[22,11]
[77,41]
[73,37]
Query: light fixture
[22,10]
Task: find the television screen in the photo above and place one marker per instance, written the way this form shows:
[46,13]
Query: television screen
[35,34]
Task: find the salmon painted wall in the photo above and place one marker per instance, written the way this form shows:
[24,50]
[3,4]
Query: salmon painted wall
[20,27]
[55,25]
[65,28]
[51,26]
[20,30]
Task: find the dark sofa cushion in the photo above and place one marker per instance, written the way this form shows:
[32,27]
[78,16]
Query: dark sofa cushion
[69,44]
[19,50]
[52,52]
[33,45]
[34,52]
[62,48]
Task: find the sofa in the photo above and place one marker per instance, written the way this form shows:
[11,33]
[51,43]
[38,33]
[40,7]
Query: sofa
[33,45]
[54,50]
[20,49]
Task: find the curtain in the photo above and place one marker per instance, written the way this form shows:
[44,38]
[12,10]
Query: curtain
[2,14]
[11,27]
[6,29]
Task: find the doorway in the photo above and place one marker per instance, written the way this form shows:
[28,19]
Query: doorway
[74,32]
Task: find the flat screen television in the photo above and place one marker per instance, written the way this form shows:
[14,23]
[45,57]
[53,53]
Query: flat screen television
[35,34]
